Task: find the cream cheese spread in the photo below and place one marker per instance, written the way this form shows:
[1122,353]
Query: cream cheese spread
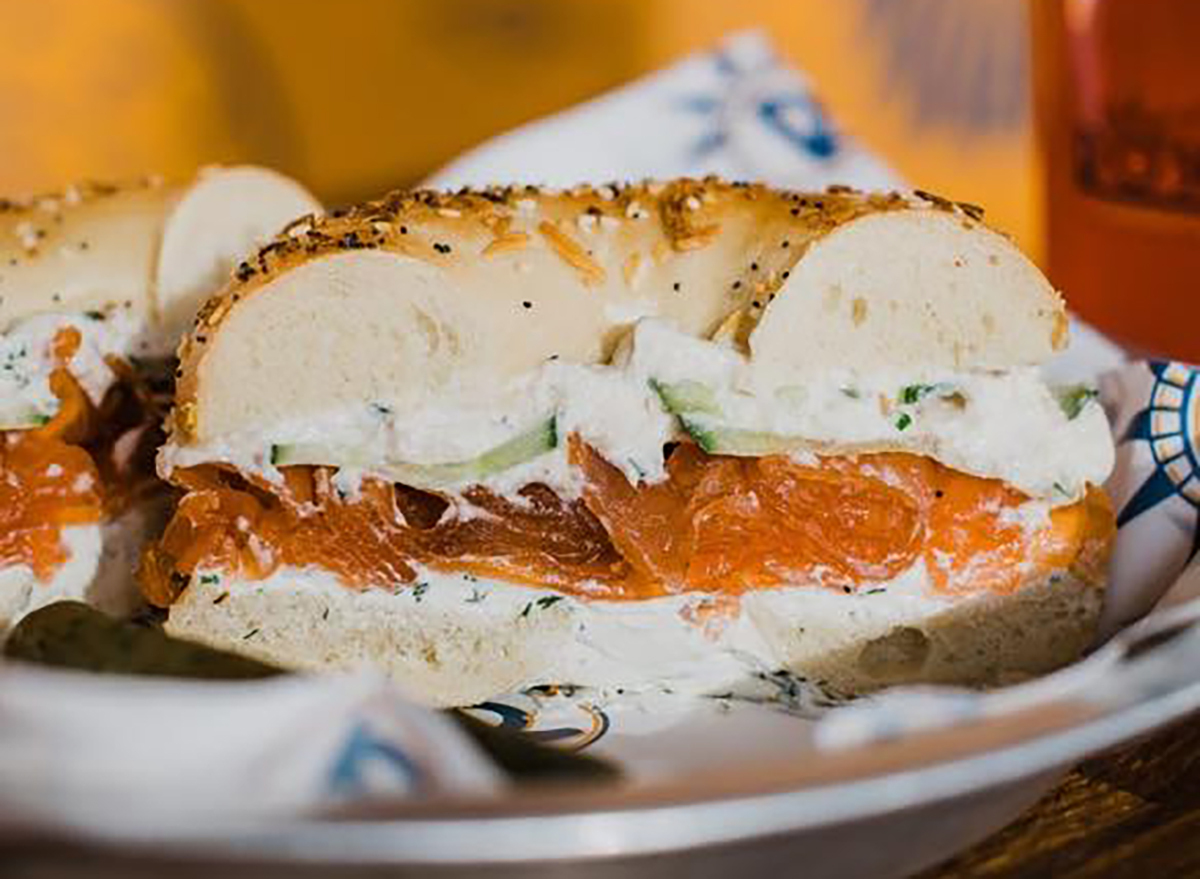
[1009,425]
[27,360]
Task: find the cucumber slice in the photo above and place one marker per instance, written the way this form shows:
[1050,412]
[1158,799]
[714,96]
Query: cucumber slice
[691,401]
[682,397]
[22,416]
[1073,398]
[720,439]
[518,450]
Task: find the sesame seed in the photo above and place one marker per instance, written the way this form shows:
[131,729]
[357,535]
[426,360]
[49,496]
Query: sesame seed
[27,234]
[675,286]
[754,267]
[403,230]
[785,243]
[527,304]
[737,284]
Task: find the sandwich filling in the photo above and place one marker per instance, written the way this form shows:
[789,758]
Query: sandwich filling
[677,468]
[78,426]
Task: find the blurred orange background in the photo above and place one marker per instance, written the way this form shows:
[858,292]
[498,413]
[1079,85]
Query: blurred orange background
[356,96]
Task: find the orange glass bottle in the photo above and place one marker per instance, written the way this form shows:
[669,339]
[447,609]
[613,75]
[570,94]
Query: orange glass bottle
[1117,89]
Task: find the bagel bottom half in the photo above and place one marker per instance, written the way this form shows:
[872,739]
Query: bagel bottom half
[458,640]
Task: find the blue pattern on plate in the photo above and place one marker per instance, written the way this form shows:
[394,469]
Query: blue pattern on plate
[549,714]
[366,757]
[1170,424]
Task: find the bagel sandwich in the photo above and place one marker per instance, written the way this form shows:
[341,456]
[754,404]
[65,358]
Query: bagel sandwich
[687,435]
[97,285]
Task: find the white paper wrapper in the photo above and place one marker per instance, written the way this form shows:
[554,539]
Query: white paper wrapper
[74,746]
[70,746]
